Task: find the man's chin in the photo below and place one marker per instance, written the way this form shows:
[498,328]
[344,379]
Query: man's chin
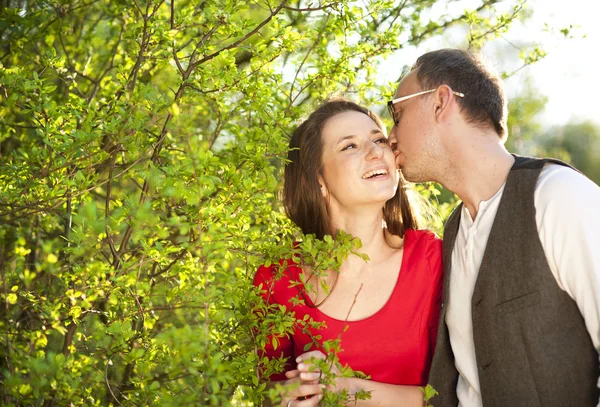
[407,174]
[410,176]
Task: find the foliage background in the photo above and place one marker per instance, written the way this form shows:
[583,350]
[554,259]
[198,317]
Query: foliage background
[141,147]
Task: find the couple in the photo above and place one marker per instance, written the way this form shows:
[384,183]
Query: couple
[514,317]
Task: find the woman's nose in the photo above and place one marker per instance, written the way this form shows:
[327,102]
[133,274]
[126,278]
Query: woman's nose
[376,151]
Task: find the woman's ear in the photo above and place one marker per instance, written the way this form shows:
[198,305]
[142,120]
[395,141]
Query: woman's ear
[323,187]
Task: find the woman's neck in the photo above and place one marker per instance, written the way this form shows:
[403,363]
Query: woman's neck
[367,225]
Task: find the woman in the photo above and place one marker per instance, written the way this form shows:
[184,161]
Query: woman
[341,175]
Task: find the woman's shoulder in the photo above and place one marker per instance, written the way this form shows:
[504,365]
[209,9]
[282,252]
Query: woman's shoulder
[426,248]
[278,281]
[273,272]
[424,237]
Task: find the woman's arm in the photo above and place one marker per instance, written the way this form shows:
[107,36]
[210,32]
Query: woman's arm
[382,394]
[295,391]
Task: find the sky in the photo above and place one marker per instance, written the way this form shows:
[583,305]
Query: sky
[568,76]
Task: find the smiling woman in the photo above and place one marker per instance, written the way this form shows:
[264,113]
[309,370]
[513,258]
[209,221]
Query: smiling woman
[341,176]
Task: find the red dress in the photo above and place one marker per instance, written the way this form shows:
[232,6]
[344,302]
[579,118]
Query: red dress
[395,345]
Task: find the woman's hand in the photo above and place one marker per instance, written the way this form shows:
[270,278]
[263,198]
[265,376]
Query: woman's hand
[310,373]
[381,393]
[300,393]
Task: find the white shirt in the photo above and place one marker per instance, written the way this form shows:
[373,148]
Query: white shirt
[568,222]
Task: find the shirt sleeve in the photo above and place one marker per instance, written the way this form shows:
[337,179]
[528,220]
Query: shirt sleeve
[276,346]
[568,222]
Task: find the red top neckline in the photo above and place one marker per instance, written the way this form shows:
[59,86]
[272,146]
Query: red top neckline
[380,310]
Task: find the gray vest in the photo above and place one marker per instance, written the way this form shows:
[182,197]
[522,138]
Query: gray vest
[531,343]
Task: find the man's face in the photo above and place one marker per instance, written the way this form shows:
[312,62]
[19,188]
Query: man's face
[412,139]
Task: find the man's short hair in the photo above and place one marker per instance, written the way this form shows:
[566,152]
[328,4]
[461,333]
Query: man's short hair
[484,103]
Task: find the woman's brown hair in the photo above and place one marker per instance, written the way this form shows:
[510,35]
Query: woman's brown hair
[302,197]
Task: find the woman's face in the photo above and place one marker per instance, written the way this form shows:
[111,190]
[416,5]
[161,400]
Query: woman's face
[358,163]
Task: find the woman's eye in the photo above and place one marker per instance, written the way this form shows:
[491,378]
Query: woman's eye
[349,146]
[381,140]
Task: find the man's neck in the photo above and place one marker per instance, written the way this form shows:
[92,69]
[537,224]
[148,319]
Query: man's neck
[480,170]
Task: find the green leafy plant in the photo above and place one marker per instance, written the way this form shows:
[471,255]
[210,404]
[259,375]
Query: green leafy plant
[428,393]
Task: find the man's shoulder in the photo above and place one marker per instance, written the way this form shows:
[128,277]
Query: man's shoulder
[558,181]
[565,192]
[527,162]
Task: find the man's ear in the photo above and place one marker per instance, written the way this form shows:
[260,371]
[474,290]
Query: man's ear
[443,104]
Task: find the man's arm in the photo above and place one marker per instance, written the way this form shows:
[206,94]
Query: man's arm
[568,221]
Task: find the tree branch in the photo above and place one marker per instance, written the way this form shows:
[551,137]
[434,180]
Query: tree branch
[115,254]
[416,39]
[325,7]
[493,29]
[175,57]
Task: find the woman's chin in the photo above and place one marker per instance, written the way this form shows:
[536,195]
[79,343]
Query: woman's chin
[379,199]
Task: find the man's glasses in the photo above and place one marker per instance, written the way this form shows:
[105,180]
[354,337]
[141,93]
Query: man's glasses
[391,103]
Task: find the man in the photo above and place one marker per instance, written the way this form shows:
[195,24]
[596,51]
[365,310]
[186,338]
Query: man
[520,322]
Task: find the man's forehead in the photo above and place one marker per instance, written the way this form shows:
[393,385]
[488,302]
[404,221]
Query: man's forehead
[408,85]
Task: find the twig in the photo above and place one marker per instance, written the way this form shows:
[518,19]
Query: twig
[108,381]
[79,193]
[6,309]
[175,57]
[310,50]
[113,158]
[110,66]
[244,38]
[416,39]
[154,159]
[309,8]
[498,27]
[353,303]
[175,260]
